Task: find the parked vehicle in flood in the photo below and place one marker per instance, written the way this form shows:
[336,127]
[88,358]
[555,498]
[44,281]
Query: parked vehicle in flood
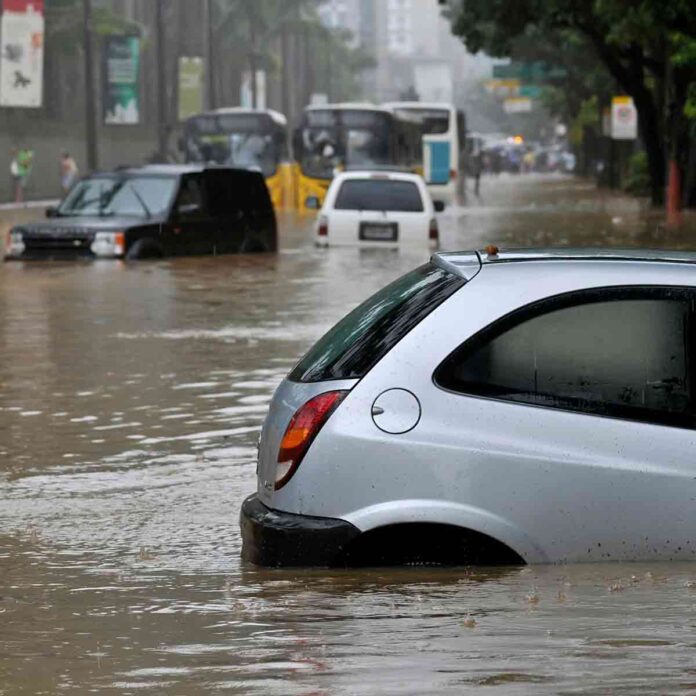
[152,212]
[376,208]
[491,408]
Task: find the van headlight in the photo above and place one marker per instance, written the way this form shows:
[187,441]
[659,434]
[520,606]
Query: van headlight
[15,243]
[108,244]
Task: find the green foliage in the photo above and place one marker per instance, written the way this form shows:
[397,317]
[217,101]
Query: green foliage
[637,179]
[64,25]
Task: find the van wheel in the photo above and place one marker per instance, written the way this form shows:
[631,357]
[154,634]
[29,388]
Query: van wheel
[145,249]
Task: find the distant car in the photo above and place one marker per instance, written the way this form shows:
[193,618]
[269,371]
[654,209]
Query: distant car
[376,208]
[152,212]
[494,408]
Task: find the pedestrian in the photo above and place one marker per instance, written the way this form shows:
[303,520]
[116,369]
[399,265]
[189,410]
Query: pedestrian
[20,170]
[68,171]
[14,175]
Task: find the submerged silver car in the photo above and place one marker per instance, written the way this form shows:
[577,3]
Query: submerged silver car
[491,408]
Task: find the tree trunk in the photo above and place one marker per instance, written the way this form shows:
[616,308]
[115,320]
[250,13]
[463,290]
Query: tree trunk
[649,126]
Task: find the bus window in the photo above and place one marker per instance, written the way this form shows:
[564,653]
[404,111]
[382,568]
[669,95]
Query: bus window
[245,140]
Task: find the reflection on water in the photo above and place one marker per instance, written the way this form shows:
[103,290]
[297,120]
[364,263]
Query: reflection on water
[130,402]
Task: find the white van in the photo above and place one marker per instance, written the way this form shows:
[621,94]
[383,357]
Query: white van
[377,208]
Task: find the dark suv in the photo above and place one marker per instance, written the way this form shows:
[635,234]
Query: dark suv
[151,212]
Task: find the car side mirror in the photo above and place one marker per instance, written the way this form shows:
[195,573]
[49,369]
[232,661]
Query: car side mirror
[312,202]
[51,212]
[439,206]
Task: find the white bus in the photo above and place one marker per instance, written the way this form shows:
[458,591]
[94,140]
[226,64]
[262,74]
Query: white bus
[443,129]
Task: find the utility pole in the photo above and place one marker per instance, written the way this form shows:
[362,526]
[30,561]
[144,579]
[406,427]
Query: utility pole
[162,125]
[90,94]
[208,54]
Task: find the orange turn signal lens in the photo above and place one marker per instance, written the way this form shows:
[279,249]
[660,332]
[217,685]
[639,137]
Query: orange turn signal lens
[301,431]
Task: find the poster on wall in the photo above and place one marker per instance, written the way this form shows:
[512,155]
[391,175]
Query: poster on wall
[121,83]
[190,87]
[22,53]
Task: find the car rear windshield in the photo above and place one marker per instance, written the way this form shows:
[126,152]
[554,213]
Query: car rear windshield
[352,347]
[379,194]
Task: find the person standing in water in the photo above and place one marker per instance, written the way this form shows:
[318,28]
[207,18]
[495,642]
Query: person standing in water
[68,171]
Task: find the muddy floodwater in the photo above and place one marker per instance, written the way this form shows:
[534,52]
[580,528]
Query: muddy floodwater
[131,397]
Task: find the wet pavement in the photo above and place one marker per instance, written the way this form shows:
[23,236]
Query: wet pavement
[131,398]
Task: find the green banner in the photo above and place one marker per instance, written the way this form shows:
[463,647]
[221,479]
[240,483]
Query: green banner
[529,72]
[121,83]
[190,87]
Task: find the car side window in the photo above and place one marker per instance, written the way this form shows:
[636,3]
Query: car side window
[623,353]
[190,203]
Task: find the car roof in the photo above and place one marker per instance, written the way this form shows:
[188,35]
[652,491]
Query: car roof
[468,263]
[169,170]
[379,174]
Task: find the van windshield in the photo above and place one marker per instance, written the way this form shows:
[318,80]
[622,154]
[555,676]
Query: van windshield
[352,347]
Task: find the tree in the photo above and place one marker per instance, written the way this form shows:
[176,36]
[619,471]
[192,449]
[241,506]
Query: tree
[640,44]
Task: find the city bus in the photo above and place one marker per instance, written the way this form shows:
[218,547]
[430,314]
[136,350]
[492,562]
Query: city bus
[247,138]
[443,130]
[335,137]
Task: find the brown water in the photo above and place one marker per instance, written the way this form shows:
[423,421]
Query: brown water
[130,402]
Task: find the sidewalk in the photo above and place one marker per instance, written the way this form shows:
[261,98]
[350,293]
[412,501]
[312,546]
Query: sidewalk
[15,213]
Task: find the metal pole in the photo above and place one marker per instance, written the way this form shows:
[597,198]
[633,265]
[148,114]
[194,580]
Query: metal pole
[162,125]
[208,56]
[90,92]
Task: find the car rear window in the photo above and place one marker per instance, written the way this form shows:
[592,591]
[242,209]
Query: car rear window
[379,194]
[352,347]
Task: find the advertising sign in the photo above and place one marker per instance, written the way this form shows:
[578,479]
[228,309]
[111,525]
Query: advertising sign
[624,119]
[190,87]
[517,105]
[22,53]
[121,92]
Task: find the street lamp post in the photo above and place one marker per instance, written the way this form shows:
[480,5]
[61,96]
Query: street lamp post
[90,93]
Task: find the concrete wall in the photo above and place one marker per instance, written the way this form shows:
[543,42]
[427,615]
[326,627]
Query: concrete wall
[118,145]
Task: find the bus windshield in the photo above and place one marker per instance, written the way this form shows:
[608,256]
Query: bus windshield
[248,141]
[332,138]
[430,121]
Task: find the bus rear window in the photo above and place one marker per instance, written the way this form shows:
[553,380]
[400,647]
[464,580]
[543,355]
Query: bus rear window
[376,194]
[362,338]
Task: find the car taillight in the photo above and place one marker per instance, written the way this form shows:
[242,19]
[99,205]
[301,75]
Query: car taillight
[301,431]
[433,232]
[453,173]
[323,230]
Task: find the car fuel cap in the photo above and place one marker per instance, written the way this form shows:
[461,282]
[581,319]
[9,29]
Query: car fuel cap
[396,411]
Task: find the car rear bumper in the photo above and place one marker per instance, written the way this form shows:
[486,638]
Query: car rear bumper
[281,539]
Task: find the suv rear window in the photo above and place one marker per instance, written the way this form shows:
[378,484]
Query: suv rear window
[352,347]
[379,194]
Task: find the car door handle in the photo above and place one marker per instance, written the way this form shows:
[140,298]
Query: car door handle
[377,410]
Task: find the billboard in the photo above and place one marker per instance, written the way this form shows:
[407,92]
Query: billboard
[190,87]
[121,82]
[22,53]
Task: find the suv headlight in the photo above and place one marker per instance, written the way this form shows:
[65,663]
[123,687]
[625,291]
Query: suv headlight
[108,244]
[15,243]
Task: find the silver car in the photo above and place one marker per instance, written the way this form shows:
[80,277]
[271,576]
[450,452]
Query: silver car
[491,408]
